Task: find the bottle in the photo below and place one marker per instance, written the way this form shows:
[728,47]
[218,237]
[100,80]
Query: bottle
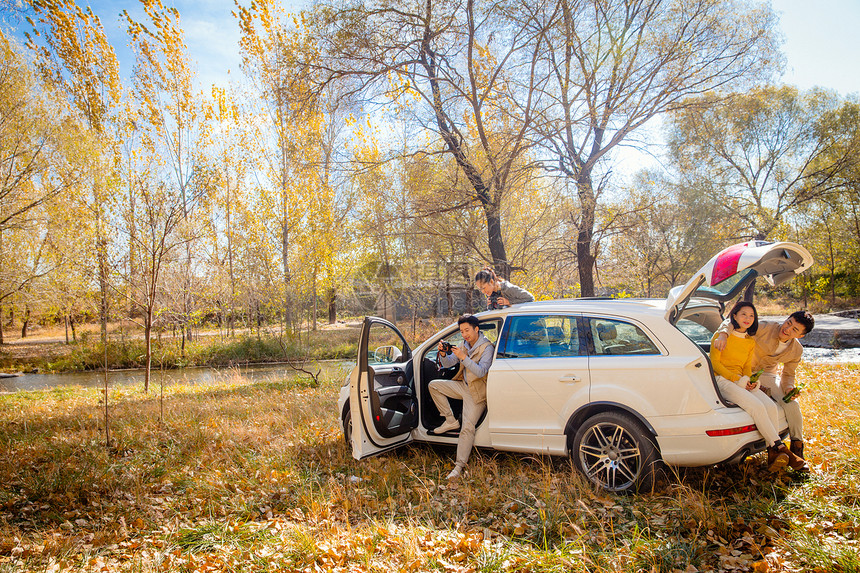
[792,392]
[755,375]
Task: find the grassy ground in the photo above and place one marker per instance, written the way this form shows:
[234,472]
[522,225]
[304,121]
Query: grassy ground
[256,477]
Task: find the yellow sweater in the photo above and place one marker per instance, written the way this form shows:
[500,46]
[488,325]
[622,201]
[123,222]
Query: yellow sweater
[736,359]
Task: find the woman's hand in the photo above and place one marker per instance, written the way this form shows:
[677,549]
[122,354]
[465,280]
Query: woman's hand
[503,301]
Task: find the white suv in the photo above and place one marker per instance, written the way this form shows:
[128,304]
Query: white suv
[617,385]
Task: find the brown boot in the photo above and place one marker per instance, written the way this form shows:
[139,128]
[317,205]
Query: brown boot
[780,458]
[797,463]
[797,448]
[771,455]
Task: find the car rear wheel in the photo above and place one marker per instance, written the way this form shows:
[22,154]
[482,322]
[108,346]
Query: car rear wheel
[615,452]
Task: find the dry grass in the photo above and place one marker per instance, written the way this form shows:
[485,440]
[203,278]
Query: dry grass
[256,477]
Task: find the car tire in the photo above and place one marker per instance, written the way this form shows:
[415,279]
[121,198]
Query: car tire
[614,452]
[347,427]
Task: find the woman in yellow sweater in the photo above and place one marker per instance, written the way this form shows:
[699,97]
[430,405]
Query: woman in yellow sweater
[733,366]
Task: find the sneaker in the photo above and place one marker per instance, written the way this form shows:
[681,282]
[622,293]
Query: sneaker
[455,473]
[780,460]
[796,448]
[448,425]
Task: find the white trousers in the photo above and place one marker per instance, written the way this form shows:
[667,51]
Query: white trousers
[791,409]
[440,391]
[764,411]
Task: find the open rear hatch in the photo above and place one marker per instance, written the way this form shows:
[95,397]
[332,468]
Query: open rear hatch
[731,270]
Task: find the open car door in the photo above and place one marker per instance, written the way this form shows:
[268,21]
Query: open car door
[732,269]
[382,397]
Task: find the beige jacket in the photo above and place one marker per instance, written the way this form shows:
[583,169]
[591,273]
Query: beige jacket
[477,385]
[765,356]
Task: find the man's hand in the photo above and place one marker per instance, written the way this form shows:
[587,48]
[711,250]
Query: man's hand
[459,352]
[720,342]
[793,396]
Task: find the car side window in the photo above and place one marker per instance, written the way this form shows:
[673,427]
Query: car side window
[385,346]
[541,336]
[619,338]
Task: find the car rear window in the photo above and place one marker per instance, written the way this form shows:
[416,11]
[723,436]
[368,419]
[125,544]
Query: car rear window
[619,338]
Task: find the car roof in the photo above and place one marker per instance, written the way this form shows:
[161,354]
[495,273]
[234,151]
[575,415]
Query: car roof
[624,306]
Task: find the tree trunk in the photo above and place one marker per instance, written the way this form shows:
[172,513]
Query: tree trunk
[449,297]
[497,243]
[832,267]
[332,305]
[147,342]
[467,280]
[107,412]
[26,322]
[585,234]
[316,300]
[66,326]
[1,324]
[103,286]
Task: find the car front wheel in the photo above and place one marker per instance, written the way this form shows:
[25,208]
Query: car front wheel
[347,427]
[615,452]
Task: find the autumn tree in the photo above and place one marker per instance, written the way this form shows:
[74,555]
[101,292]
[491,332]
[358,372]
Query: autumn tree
[829,224]
[668,231]
[40,152]
[265,31]
[453,70]
[612,65]
[300,136]
[159,212]
[762,153]
[230,165]
[74,55]
[172,119]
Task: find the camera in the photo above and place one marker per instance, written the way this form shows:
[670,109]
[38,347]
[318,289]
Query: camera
[493,300]
[447,347]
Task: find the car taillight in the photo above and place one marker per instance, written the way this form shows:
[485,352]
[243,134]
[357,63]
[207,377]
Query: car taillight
[731,431]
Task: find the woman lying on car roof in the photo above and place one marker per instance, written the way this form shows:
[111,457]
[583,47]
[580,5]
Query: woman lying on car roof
[500,293]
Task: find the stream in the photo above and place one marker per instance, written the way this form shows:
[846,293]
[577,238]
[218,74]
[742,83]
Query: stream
[203,375]
[270,372]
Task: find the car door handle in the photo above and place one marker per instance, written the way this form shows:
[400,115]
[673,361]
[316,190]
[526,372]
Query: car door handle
[570,379]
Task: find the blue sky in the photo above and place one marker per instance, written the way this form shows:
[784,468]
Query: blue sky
[820,45]
[820,39]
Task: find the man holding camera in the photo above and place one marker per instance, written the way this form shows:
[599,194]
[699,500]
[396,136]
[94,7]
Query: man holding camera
[474,355]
